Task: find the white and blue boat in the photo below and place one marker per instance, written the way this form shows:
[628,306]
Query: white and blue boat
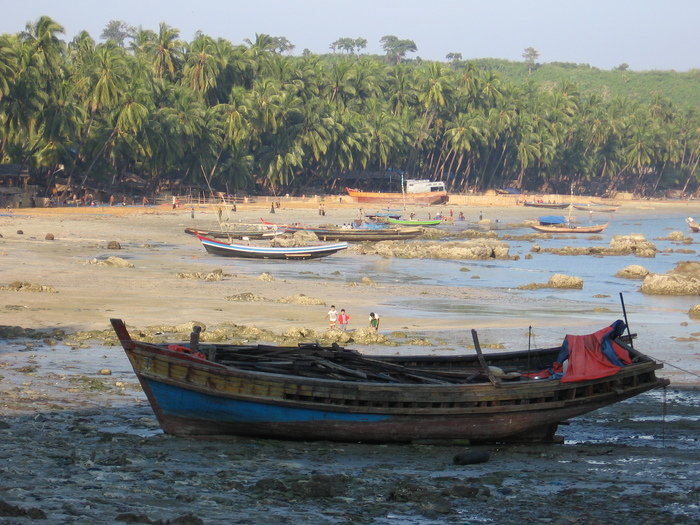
[250,251]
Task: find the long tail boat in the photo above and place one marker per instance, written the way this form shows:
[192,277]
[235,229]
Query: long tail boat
[568,228]
[249,251]
[356,234]
[314,392]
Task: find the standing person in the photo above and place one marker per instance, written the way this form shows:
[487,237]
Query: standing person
[332,317]
[343,319]
[174,202]
[374,321]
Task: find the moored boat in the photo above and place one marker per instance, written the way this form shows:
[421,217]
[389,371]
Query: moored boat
[546,205]
[693,225]
[331,393]
[374,233]
[264,233]
[415,192]
[600,208]
[568,228]
[414,222]
[249,251]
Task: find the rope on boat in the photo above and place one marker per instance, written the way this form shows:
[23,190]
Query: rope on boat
[663,420]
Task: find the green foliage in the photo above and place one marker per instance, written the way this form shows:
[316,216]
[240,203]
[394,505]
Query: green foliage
[238,116]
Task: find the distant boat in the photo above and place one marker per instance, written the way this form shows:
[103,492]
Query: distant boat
[413,222]
[236,234]
[694,226]
[377,232]
[601,208]
[567,227]
[270,252]
[415,192]
[550,205]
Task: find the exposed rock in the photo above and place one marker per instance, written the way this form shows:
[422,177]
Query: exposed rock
[694,311]
[266,276]
[9,510]
[471,457]
[366,280]
[557,280]
[675,236]
[301,299]
[116,262]
[23,286]
[114,245]
[298,238]
[49,237]
[479,249]
[633,271]
[634,244]
[684,279]
[216,275]
[20,232]
[245,297]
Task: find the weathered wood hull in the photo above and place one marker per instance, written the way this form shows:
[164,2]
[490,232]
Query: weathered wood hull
[193,396]
[434,197]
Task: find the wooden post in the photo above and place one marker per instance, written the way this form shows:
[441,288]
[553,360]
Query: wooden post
[494,380]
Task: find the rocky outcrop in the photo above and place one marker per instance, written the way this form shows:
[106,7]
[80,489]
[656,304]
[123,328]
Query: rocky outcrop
[684,279]
[633,271]
[558,280]
[475,249]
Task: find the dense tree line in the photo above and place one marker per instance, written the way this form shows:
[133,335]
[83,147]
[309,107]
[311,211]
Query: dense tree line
[240,116]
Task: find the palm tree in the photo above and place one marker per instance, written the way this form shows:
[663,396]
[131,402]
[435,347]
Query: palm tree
[166,52]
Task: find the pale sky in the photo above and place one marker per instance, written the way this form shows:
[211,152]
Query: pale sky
[646,34]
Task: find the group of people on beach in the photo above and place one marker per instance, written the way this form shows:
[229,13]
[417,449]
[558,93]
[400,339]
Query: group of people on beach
[340,320]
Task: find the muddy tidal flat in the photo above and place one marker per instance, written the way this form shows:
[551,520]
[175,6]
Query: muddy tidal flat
[80,444]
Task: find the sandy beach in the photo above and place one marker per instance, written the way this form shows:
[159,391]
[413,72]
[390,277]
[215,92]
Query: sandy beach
[102,458]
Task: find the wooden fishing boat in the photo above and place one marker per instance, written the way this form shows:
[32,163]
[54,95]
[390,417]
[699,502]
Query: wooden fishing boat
[568,228]
[265,233]
[414,192]
[313,392]
[547,205]
[270,252]
[414,222]
[599,208]
[358,234]
[693,225]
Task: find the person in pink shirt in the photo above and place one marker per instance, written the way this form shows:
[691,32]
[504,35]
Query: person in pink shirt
[343,319]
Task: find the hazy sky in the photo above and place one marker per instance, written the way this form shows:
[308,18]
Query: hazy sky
[646,34]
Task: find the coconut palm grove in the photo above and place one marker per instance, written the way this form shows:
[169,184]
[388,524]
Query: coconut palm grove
[254,117]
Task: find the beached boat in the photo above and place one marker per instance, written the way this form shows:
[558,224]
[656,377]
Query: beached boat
[414,222]
[363,233]
[263,233]
[568,228]
[249,251]
[546,205]
[599,208]
[415,192]
[693,225]
[313,392]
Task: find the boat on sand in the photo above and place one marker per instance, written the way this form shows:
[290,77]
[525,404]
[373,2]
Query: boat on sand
[314,392]
[253,251]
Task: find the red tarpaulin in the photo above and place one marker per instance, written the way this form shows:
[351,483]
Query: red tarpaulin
[594,355]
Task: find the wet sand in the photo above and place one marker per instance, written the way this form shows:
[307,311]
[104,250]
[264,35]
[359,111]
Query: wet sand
[77,446]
